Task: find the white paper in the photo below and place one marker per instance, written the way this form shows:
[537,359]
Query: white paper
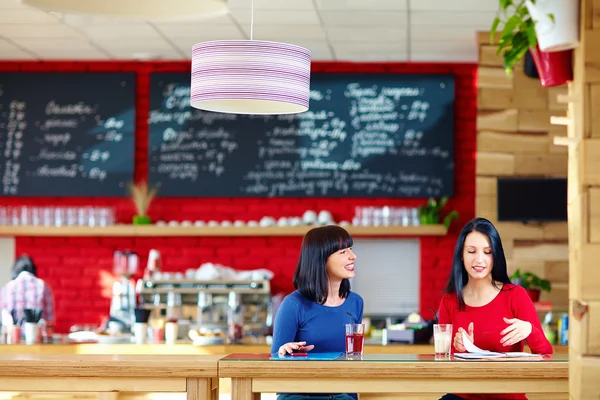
[475,352]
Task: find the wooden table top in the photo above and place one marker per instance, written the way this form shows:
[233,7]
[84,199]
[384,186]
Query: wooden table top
[80,365]
[418,366]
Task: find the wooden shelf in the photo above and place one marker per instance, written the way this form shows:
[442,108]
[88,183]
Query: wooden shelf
[153,230]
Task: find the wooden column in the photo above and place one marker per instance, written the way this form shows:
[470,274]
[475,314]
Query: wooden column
[583,144]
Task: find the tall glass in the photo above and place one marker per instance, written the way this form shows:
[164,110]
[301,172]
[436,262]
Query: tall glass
[355,339]
[442,339]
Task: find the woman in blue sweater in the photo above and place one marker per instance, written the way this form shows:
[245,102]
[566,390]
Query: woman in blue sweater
[314,316]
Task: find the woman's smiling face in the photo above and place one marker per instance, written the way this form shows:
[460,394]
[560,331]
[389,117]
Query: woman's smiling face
[340,265]
[477,256]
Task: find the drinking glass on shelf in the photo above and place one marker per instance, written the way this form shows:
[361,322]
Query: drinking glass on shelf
[48,216]
[59,216]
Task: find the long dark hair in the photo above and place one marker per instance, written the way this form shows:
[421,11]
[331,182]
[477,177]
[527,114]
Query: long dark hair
[23,264]
[318,244]
[459,276]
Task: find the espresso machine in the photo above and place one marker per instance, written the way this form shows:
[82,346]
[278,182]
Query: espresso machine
[123,301]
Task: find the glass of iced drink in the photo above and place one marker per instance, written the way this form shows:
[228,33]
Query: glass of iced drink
[442,339]
[355,339]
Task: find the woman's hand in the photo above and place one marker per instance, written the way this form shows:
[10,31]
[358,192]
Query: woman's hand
[289,348]
[458,338]
[517,331]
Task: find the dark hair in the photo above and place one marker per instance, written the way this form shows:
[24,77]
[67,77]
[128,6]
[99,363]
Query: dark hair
[318,244]
[23,264]
[459,276]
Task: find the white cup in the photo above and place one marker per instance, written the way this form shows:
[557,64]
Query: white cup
[171,332]
[140,332]
[32,332]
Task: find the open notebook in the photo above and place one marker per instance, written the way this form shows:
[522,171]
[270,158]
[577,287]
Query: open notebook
[475,352]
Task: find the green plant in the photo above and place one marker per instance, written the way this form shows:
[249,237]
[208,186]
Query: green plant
[430,213]
[517,31]
[142,195]
[529,281]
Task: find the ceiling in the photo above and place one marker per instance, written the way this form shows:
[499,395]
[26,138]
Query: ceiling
[343,30]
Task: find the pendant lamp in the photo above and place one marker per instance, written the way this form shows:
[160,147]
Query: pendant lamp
[142,9]
[250,77]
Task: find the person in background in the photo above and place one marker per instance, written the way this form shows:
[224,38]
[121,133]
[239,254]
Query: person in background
[26,290]
[314,316]
[481,303]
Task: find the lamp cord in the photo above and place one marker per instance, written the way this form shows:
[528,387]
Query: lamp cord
[251,18]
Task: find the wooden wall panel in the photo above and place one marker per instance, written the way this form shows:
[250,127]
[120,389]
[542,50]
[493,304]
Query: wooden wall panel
[510,142]
[488,57]
[534,120]
[495,164]
[505,120]
[594,214]
[495,99]
[554,165]
[515,138]
[494,78]
[591,149]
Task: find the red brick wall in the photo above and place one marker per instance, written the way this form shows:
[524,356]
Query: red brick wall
[79,269]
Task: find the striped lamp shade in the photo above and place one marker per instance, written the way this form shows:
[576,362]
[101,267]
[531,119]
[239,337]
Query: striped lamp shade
[250,77]
[146,9]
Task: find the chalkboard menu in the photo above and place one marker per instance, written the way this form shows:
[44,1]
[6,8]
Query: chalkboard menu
[364,135]
[66,134]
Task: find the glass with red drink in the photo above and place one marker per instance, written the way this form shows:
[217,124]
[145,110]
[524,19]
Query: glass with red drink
[355,338]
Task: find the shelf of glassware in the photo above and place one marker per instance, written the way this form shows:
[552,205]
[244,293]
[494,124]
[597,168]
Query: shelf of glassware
[155,230]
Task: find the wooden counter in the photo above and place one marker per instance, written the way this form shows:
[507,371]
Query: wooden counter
[378,377]
[194,375]
[203,350]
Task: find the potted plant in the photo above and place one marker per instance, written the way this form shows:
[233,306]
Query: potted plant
[532,283]
[518,35]
[430,213]
[142,195]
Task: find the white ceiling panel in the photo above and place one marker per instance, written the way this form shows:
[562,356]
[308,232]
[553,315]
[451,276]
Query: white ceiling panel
[200,32]
[9,51]
[476,20]
[67,54]
[272,4]
[125,32]
[8,4]
[147,52]
[447,5]
[343,5]
[75,45]
[33,31]
[442,33]
[276,17]
[363,18]
[467,56]
[283,33]
[370,34]
[26,16]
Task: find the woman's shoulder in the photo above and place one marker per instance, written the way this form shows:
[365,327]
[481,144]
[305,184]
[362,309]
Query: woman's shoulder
[355,298]
[514,291]
[449,299]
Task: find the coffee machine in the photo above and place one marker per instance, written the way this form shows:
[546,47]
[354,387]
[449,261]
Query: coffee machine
[123,301]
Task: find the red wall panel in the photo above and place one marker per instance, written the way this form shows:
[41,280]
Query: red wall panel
[80,269]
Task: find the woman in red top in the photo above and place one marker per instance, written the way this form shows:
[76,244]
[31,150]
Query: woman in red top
[480,301]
